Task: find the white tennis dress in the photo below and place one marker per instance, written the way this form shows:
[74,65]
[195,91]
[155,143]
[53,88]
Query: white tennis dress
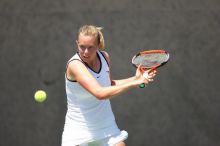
[87,118]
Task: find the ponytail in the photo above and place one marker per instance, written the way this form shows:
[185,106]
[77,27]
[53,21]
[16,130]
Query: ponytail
[101,38]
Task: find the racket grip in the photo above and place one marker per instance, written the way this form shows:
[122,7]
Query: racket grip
[142,85]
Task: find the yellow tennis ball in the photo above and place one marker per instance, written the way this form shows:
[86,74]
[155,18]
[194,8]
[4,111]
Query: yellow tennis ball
[40,96]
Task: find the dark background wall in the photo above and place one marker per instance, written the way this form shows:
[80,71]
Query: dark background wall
[180,108]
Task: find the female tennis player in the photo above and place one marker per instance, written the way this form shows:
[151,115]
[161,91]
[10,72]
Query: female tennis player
[89,119]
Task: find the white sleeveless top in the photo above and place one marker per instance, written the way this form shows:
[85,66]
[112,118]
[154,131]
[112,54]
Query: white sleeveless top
[87,118]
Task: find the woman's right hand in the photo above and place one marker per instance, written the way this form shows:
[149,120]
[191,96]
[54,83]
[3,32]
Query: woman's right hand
[144,76]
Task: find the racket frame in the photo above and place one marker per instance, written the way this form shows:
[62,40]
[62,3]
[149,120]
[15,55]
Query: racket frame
[151,52]
[151,69]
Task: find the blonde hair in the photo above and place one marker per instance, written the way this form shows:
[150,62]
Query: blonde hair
[91,30]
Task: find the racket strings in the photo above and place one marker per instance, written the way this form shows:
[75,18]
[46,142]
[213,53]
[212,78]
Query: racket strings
[150,60]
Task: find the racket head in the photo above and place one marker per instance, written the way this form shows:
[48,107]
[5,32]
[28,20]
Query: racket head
[151,59]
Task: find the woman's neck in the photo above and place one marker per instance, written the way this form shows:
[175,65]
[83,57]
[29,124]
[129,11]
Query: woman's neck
[95,63]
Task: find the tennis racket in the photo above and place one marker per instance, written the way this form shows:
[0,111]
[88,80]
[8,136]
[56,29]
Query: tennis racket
[150,59]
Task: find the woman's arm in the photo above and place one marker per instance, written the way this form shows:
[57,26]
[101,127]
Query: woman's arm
[79,72]
[122,81]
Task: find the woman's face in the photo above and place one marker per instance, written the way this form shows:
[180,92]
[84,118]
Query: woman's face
[87,47]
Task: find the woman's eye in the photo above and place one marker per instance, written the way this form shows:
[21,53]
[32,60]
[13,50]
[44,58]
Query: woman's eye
[82,47]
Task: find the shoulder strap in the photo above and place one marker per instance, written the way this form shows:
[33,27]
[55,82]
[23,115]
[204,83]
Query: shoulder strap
[103,54]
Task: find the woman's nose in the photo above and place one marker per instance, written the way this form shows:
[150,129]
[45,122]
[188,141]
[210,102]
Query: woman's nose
[86,51]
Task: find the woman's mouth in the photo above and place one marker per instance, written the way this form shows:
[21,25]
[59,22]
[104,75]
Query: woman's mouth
[85,56]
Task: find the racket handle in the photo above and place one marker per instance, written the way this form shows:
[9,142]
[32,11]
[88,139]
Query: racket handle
[142,85]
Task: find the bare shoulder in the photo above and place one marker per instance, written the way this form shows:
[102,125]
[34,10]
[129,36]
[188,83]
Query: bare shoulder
[75,68]
[74,65]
